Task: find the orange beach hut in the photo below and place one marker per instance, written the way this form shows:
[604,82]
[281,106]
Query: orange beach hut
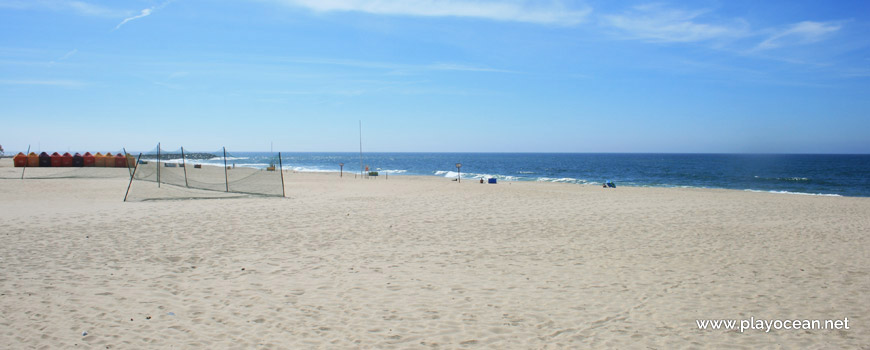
[89,160]
[100,160]
[110,160]
[20,160]
[32,160]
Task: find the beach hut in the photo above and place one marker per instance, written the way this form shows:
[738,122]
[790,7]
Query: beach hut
[56,160]
[32,160]
[20,160]
[89,160]
[44,160]
[131,161]
[110,160]
[120,161]
[99,160]
[66,160]
[78,160]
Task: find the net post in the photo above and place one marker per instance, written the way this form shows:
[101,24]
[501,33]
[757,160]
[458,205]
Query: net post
[183,166]
[136,166]
[226,176]
[25,162]
[281,170]
[158,164]
[124,149]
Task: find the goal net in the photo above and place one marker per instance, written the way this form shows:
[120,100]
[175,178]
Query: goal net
[183,174]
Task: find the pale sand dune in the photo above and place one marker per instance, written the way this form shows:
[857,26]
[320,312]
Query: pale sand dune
[418,262]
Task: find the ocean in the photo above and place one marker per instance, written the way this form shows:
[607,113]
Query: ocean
[832,175]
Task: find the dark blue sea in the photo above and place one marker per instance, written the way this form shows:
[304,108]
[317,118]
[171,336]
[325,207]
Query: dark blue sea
[844,175]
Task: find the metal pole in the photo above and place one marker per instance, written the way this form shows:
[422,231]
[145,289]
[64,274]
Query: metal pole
[124,149]
[184,166]
[158,164]
[25,162]
[281,170]
[131,176]
[226,177]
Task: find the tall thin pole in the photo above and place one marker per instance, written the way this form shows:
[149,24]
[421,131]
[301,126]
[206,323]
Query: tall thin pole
[124,149]
[184,166]
[281,170]
[360,149]
[25,162]
[136,166]
[226,177]
[158,164]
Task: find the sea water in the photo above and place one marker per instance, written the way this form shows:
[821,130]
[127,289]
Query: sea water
[845,175]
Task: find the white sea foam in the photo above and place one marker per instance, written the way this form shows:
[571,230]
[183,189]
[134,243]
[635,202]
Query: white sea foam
[798,193]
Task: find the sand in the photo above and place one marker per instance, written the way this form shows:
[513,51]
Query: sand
[425,262]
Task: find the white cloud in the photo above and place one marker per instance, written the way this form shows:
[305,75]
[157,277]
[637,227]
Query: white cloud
[660,24]
[144,13]
[515,11]
[806,32]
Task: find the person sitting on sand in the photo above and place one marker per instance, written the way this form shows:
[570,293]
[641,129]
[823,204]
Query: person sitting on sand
[481,180]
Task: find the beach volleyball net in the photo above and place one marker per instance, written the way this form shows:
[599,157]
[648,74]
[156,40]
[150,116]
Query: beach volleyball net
[182,174]
[69,165]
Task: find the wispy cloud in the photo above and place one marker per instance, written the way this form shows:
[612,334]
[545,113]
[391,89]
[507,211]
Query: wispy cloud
[77,7]
[660,24]
[143,13]
[56,83]
[806,32]
[516,11]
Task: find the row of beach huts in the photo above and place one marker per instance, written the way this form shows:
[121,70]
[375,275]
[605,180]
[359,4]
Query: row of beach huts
[107,160]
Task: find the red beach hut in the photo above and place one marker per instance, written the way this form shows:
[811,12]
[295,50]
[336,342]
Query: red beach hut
[32,160]
[89,160]
[44,160]
[78,160]
[56,160]
[66,160]
[120,161]
[20,160]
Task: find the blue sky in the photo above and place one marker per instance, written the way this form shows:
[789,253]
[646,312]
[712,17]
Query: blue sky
[429,75]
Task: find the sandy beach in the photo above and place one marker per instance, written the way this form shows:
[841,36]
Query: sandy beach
[425,262]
